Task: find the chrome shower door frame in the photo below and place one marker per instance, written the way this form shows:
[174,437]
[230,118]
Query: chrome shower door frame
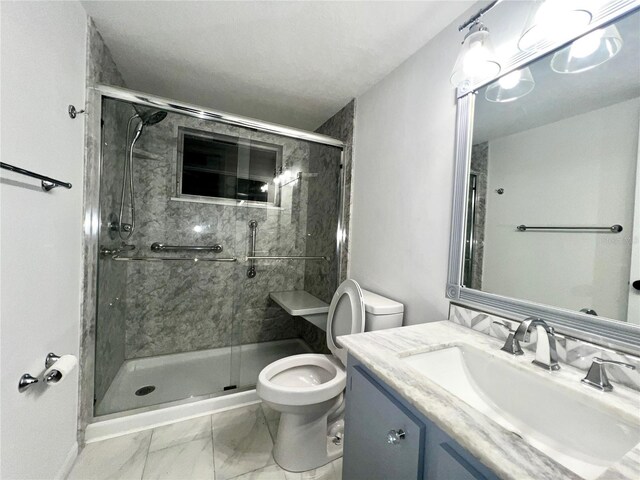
[91,211]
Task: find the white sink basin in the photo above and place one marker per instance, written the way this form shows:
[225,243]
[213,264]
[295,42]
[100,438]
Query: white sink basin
[569,427]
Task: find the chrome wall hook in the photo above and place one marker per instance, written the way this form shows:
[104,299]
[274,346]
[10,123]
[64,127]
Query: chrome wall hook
[25,382]
[54,376]
[50,359]
[73,113]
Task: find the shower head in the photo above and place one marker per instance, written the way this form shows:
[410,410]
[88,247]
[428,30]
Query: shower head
[152,117]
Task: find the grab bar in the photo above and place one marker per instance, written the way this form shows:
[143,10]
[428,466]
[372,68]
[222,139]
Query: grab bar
[611,229]
[118,258]
[47,182]
[251,271]
[161,247]
[288,257]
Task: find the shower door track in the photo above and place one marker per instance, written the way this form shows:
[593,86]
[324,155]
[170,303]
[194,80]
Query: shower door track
[205,113]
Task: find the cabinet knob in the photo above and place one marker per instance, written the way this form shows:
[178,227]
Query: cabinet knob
[394,436]
[636,284]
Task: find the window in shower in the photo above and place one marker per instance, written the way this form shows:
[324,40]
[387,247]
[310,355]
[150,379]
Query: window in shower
[214,166]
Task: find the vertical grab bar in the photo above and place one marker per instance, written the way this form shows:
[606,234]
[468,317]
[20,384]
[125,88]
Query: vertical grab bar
[253,227]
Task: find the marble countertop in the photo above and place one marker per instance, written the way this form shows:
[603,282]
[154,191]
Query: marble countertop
[507,455]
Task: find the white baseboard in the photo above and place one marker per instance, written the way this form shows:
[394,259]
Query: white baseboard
[68,463]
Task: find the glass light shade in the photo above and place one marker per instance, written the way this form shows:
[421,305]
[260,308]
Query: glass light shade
[588,51]
[476,60]
[511,86]
[555,20]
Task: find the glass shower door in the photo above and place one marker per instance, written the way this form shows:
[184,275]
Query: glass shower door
[164,327]
[291,231]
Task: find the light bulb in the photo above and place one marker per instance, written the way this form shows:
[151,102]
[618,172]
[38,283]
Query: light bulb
[554,21]
[511,80]
[585,46]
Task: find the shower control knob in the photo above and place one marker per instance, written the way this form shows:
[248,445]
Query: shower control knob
[394,436]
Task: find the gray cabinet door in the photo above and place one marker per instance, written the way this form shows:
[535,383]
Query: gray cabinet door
[370,415]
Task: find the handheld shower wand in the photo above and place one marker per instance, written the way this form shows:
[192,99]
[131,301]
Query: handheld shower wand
[149,118]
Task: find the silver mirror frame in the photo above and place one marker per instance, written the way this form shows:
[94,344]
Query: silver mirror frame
[612,333]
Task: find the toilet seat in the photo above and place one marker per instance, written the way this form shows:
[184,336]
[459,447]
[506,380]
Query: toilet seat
[346,316]
[302,380]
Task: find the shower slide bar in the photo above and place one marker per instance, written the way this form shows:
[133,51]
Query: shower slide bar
[611,229]
[118,258]
[161,247]
[47,184]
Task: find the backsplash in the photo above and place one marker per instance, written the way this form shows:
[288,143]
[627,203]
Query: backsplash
[577,353]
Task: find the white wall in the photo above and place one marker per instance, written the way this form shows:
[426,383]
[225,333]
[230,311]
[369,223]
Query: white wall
[578,171]
[403,181]
[43,70]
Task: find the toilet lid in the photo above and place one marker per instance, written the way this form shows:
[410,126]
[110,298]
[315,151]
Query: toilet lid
[346,316]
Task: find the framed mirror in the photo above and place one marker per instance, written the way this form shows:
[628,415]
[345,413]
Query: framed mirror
[546,218]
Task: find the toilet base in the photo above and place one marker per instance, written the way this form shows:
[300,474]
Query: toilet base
[303,442]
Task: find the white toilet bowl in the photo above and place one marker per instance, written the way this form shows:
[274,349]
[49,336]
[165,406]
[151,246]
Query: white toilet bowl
[307,389]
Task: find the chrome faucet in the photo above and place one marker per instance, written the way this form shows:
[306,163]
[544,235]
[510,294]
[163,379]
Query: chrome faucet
[546,353]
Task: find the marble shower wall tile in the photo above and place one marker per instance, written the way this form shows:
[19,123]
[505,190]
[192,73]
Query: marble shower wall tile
[480,168]
[100,69]
[321,278]
[177,307]
[577,353]
[341,126]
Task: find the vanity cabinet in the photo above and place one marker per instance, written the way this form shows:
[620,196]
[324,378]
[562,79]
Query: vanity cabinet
[386,439]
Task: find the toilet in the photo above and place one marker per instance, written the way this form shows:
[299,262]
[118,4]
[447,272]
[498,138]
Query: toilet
[308,389]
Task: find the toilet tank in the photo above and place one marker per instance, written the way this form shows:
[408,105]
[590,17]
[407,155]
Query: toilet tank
[381,312]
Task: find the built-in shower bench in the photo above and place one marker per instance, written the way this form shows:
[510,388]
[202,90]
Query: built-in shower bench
[302,304]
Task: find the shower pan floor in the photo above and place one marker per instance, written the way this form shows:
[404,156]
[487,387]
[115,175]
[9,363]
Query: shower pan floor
[191,374]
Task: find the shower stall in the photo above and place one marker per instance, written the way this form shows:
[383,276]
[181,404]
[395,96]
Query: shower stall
[202,215]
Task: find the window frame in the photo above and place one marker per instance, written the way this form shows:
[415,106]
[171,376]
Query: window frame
[240,141]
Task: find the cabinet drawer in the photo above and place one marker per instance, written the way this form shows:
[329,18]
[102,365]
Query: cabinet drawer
[370,415]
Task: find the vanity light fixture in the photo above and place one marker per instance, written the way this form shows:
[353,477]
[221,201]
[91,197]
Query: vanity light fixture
[554,20]
[476,60]
[588,51]
[510,87]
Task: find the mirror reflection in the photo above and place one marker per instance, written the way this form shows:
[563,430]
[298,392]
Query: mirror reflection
[553,212]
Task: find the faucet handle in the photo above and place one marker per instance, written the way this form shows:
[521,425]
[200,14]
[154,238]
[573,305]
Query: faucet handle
[597,375]
[511,345]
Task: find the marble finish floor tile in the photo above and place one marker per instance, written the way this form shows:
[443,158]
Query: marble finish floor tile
[236,444]
[272,472]
[241,441]
[181,432]
[186,461]
[120,458]
[326,472]
[273,420]
[331,471]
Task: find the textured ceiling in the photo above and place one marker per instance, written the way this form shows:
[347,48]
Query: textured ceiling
[294,63]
